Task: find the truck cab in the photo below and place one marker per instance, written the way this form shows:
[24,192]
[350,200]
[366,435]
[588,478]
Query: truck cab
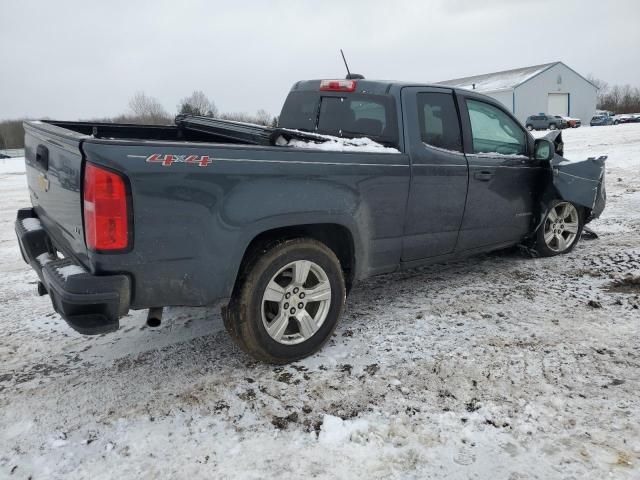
[473,175]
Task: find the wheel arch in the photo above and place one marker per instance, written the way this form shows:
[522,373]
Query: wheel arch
[340,238]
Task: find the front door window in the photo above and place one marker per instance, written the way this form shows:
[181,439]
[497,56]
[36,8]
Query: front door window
[493,131]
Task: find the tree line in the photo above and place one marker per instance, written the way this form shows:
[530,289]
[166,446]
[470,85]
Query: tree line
[145,109]
[617,98]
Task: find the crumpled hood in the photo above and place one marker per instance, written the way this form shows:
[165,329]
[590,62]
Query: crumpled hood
[579,182]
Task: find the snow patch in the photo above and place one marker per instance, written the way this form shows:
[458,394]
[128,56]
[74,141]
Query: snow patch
[12,165]
[31,224]
[337,144]
[70,270]
[491,82]
[335,431]
[44,258]
[500,155]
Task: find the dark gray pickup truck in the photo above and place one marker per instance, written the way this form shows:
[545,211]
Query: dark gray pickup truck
[276,224]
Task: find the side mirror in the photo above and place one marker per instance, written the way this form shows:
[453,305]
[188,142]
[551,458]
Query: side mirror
[543,149]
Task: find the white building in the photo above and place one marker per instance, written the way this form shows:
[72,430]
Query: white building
[552,88]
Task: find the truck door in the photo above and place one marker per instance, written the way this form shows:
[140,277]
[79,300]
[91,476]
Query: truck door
[503,179]
[439,172]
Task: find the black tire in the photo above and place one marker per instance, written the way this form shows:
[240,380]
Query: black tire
[540,245]
[243,316]
[530,127]
[552,126]
[616,122]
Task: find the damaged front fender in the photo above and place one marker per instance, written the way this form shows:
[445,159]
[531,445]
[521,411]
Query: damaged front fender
[581,182]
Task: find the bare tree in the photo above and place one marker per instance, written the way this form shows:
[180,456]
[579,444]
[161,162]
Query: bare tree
[628,98]
[261,117]
[12,134]
[146,109]
[603,89]
[616,98]
[601,85]
[198,104]
[237,117]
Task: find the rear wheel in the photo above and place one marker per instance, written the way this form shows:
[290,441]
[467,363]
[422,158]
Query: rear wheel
[529,127]
[288,302]
[560,230]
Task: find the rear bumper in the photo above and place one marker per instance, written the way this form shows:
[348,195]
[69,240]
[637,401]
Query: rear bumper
[90,304]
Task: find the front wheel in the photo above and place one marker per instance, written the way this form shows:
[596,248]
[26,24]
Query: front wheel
[552,126]
[530,127]
[288,301]
[560,230]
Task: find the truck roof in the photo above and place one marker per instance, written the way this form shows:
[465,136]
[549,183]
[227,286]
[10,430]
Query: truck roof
[377,87]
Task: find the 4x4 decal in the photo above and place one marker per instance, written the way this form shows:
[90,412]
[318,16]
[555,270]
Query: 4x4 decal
[168,160]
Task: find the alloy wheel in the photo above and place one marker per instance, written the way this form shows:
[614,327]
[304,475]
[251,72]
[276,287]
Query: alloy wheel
[561,227]
[296,302]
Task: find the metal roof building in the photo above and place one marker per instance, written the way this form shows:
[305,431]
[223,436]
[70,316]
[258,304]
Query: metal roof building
[551,88]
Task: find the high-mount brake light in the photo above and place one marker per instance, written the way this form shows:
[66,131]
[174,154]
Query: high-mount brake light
[338,86]
[106,216]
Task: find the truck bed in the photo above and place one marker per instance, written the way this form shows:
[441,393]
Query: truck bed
[191,128]
[192,220]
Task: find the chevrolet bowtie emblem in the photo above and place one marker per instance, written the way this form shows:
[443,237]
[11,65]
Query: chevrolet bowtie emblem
[44,182]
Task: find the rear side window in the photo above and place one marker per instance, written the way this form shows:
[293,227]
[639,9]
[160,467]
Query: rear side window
[349,115]
[493,131]
[438,119]
[299,111]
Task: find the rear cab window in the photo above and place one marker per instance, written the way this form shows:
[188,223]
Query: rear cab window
[342,114]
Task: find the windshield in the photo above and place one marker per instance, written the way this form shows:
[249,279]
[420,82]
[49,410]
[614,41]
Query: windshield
[343,115]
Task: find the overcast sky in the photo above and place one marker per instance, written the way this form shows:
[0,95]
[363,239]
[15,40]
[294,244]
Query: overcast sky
[82,59]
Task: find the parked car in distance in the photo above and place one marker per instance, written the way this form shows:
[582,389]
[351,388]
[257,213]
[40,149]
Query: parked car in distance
[563,122]
[545,122]
[618,119]
[572,122]
[601,120]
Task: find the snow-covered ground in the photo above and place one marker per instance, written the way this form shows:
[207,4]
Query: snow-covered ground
[501,367]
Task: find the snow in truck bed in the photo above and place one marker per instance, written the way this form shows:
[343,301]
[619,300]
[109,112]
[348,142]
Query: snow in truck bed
[335,144]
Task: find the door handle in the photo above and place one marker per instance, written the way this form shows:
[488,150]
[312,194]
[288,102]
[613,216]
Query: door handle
[483,176]
[42,157]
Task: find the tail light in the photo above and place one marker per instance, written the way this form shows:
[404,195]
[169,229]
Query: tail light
[106,216]
[338,86]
